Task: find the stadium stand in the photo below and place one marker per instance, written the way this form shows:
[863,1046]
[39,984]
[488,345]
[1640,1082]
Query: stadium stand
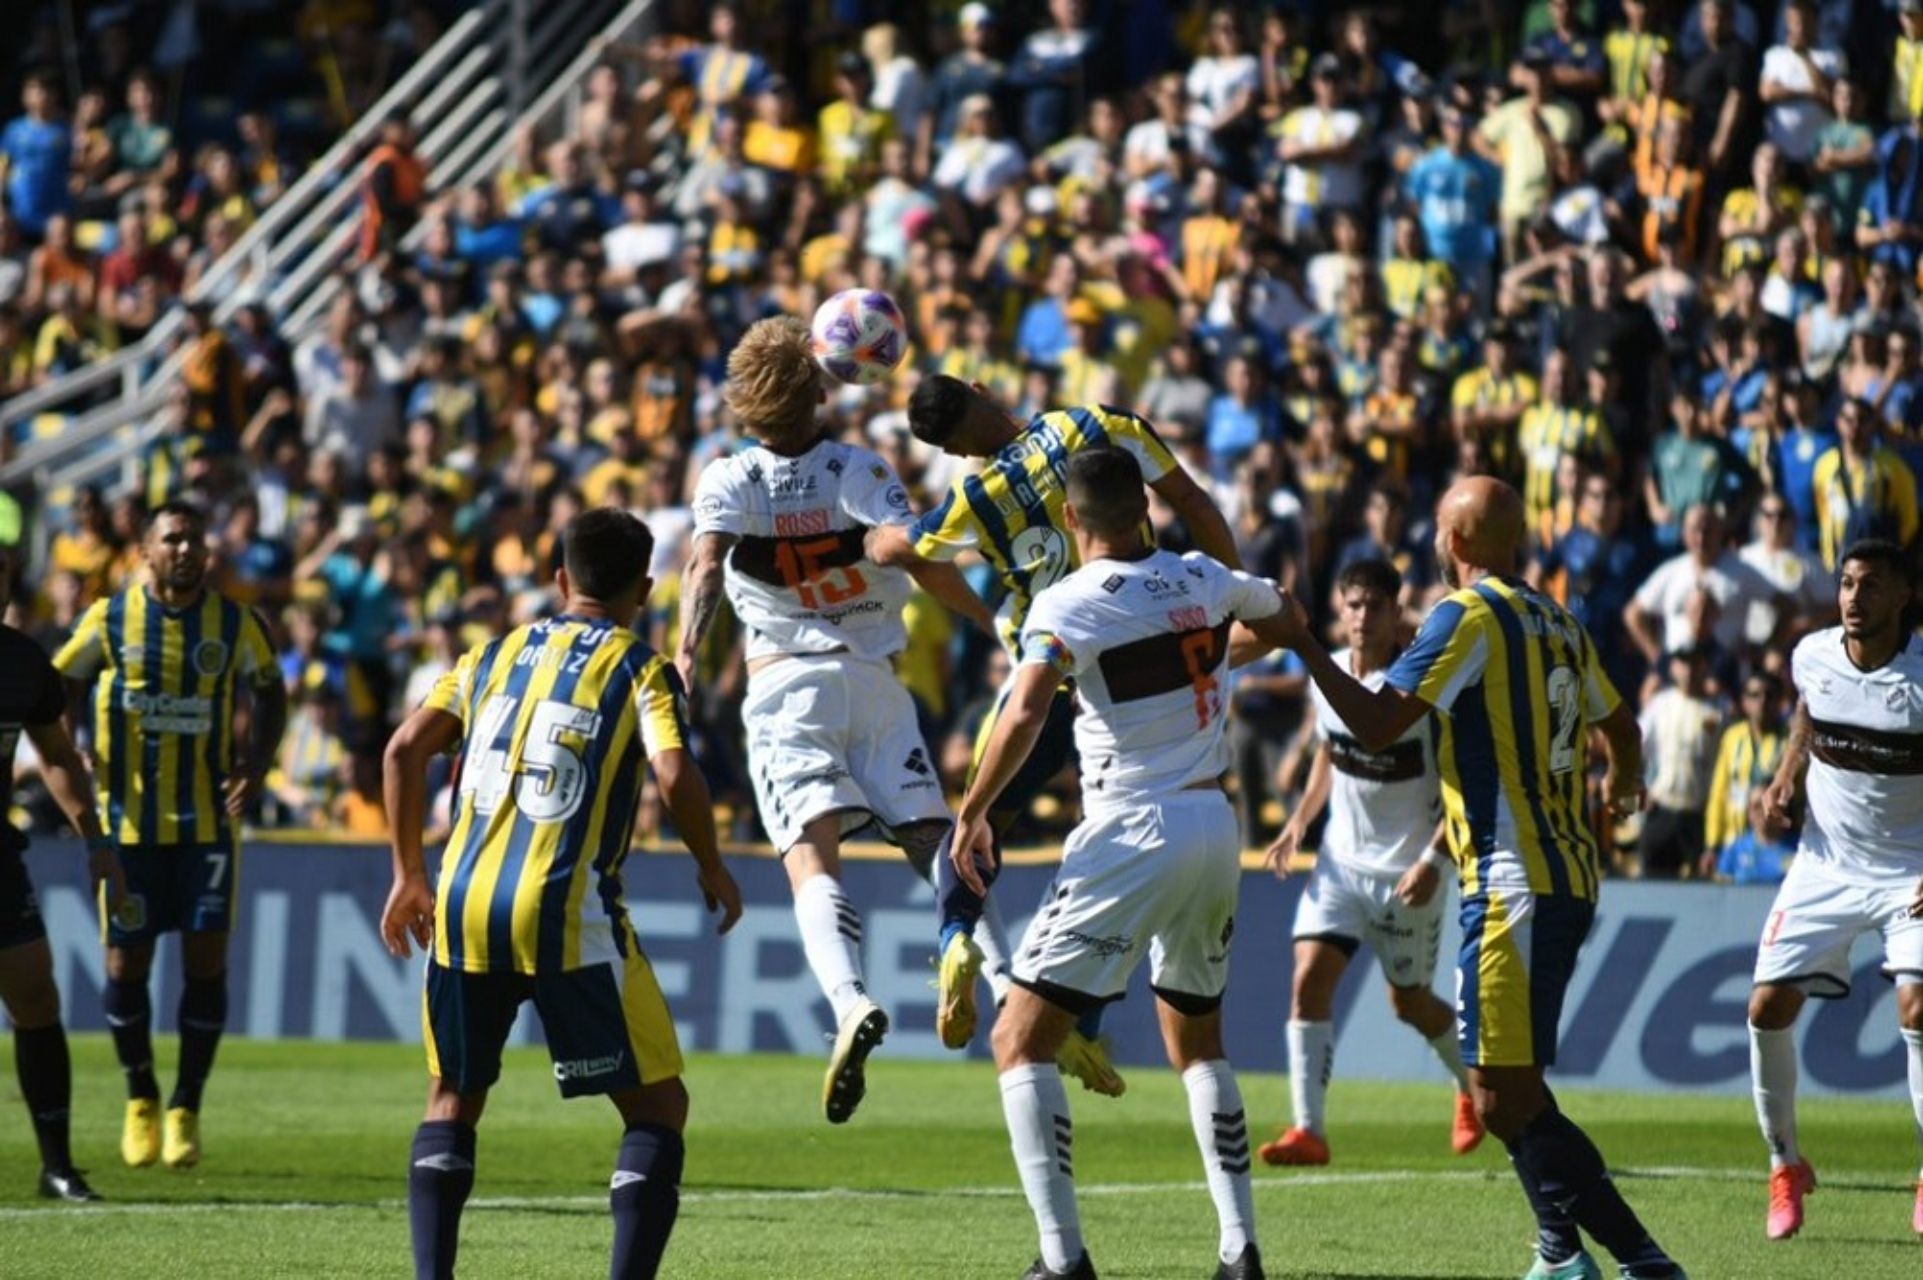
[1658,273]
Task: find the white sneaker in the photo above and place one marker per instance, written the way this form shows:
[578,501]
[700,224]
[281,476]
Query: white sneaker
[846,1082]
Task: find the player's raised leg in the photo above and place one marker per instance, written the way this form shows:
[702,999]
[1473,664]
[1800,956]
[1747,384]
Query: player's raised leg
[831,939]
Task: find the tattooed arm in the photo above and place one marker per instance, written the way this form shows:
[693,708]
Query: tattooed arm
[700,598]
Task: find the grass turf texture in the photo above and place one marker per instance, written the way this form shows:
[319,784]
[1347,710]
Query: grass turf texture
[306,1152]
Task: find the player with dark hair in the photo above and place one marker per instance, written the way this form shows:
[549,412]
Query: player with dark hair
[1516,684]
[1012,512]
[1855,748]
[1153,869]
[172,657]
[34,701]
[554,722]
[1377,876]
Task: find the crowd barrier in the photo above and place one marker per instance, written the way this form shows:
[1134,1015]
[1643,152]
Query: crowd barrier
[1658,1002]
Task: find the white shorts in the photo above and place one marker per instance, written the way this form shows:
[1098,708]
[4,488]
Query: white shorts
[837,734]
[1159,875]
[1818,914]
[1347,906]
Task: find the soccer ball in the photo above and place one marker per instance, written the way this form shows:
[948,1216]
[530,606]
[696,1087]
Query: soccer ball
[859,336]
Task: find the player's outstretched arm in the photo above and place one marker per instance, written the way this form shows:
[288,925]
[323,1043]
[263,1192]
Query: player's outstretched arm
[944,581]
[65,774]
[701,591]
[1016,730]
[1779,802]
[685,793]
[410,903]
[1200,516]
[1376,717]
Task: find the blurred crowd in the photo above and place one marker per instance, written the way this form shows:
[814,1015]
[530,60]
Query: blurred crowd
[1655,263]
[150,136]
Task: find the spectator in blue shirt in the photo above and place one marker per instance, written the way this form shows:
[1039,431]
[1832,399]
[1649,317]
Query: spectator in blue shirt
[1806,440]
[1454,192]
[1889,222]
[1244,416]
[963,74]
[1042,334]
[1575,60]
[1593,570]
[1896,392]
[481,236]
[37,150]
[1757,856]
[1052,72]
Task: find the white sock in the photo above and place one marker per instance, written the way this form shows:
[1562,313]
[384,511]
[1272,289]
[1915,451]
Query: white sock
[1772,1075]
[831,939]
[991,935]
[1043,1137]
[1222,1131]
[1449,1050]
[1311,1059]
[1914,1039]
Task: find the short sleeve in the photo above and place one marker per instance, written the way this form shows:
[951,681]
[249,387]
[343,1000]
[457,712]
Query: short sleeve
[85,652]
[713,512]
[1449,653]
[1247,597]
[658,703]
[1649,596]
[948,530]
[1048,639]
[255,660]
[452,694]
[1126,431]
[872,495]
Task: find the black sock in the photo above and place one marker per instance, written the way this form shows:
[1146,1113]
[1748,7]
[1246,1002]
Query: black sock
[959,906]
[1569,1173]
[1557,1238]
[440,1175]
[46,1083]
[130,1017]
[645,1197]
[203,1016]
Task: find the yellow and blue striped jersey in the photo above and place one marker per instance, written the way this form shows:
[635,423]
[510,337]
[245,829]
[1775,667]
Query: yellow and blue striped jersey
[163,737]
[1011,510]
[559,717]
[1518,680]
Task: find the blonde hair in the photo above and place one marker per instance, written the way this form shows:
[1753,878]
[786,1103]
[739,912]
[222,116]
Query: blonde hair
[773,385]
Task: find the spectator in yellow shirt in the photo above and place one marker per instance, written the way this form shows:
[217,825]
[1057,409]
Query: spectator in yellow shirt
[1746,759]
[1552,427]
[776,139]
[1862,487]
[851,131]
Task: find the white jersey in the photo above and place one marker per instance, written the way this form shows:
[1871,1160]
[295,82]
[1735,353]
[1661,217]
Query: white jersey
[1147,642]
[1866,754]
[1384,806]
[796,575]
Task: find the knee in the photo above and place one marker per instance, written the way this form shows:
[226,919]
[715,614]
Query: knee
[127,965]
[1190,1047]
[1774,1008]
[1410,1004]
[1909,1006]
[1506,1112]
[664,1104]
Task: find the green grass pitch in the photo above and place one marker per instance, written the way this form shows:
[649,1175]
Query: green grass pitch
[306,1150]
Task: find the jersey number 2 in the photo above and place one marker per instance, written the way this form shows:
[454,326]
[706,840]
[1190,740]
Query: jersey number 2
[549,780]
[800,566]
[1565,708]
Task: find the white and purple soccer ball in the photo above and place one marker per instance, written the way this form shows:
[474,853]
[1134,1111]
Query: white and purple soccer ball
[859,336]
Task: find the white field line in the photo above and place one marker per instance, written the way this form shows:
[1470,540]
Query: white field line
[1265,1184]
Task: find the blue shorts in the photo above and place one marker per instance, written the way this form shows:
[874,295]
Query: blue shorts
[1518,954]
[186,888]
[607,1025]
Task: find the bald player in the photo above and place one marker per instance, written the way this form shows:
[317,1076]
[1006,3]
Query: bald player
[1514,680]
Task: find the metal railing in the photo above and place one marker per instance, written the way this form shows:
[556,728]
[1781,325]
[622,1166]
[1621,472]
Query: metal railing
[465,98]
